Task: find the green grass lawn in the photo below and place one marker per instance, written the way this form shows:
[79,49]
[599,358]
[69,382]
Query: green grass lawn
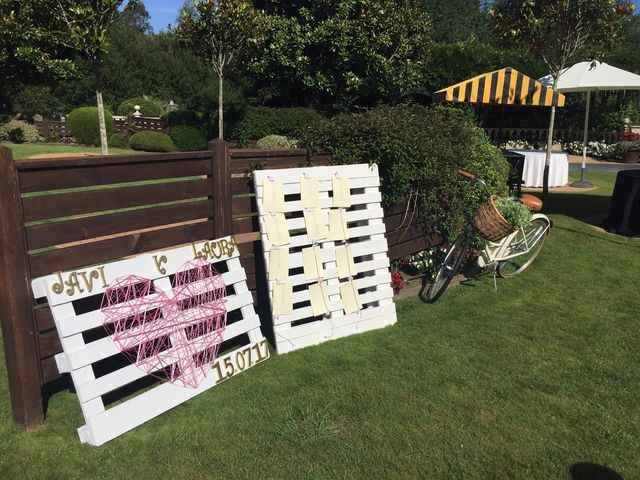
[26,150]
[522,382]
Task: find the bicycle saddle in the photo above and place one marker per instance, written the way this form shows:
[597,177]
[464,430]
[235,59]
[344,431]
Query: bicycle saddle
[532,202]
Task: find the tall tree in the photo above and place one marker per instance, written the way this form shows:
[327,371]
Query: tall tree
[344,53]
[219,31]
[29,41]
[87,24]
[457,20]
[560,32]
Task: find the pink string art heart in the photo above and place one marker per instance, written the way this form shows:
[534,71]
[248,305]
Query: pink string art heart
[175,335]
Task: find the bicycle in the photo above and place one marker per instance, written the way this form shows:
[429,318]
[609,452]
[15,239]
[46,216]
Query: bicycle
[508,256]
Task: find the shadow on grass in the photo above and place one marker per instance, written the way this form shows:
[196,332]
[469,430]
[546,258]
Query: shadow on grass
[576,205]
[593,471]
[611,239]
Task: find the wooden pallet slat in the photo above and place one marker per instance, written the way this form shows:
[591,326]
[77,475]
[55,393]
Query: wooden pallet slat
[80,355]
[366,234]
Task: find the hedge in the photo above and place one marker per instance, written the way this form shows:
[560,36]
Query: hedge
[84,127]
[187,138]
[29,133]
[418,151]
[151,142]
[259,122]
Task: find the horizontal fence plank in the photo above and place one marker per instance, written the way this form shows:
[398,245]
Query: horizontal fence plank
[117,248]
[245,225]
[106,160]
[62,205]
[39,236]
[49,370]
[53,178]
[244,206]
[49,343]
[404,234]
[410,247]
[241,185]
[44,319]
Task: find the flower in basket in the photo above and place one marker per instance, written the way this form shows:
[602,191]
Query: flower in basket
[514,212]
[396,282]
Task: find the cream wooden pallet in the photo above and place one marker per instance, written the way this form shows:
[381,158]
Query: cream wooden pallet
[84,358]
[365,233]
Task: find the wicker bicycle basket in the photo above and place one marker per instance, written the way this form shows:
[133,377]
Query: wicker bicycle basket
[489,221]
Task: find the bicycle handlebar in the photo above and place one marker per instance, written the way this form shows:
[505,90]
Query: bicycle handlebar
[466,174]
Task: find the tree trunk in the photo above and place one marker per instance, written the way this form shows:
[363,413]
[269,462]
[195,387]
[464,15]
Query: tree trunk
[220,107]
[103,127]
[547,161]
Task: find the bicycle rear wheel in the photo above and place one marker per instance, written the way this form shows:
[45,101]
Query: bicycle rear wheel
[448,269]
[525,247]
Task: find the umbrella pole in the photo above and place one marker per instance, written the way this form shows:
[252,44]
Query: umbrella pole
[582,183]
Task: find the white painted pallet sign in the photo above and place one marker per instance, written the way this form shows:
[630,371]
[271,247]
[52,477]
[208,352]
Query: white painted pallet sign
[365,234]
[96,365]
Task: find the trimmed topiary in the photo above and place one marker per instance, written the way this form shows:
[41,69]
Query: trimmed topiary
[151,142]
[84,127]
[29,133]
[148,108]
[187,138]
[118,140]
[275,142]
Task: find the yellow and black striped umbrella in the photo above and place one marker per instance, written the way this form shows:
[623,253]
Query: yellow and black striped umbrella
[502,87]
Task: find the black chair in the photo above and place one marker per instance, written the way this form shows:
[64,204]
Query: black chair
[516,170]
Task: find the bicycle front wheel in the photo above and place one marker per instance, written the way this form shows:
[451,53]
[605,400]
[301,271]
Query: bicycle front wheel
[524,248]
[449,268]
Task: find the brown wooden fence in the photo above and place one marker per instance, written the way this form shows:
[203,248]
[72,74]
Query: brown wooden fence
[60,214]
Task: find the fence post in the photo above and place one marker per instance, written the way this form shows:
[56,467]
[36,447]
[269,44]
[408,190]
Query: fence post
[17,316]
[221,177]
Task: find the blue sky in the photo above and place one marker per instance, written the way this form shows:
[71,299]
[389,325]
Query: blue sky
[163,12]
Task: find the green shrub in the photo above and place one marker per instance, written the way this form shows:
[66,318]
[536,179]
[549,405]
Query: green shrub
[84,127]
[259,122]
[514,212]
[29,132]
[148,108]
[36,99]
[187,138]
[275,142]
[182,117]
[118,140]
[151,142]
[418,151]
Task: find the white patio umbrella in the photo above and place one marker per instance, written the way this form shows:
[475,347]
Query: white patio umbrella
[590,77]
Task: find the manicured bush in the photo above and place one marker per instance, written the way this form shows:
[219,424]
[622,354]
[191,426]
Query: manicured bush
[259,122]
[29,132]
[84,126]
[118,140]
[418,151]
[275,142]
[151,142]
[148,108]
[187,138]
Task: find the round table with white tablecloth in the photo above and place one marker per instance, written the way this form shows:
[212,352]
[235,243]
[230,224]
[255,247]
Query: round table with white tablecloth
[533,172]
